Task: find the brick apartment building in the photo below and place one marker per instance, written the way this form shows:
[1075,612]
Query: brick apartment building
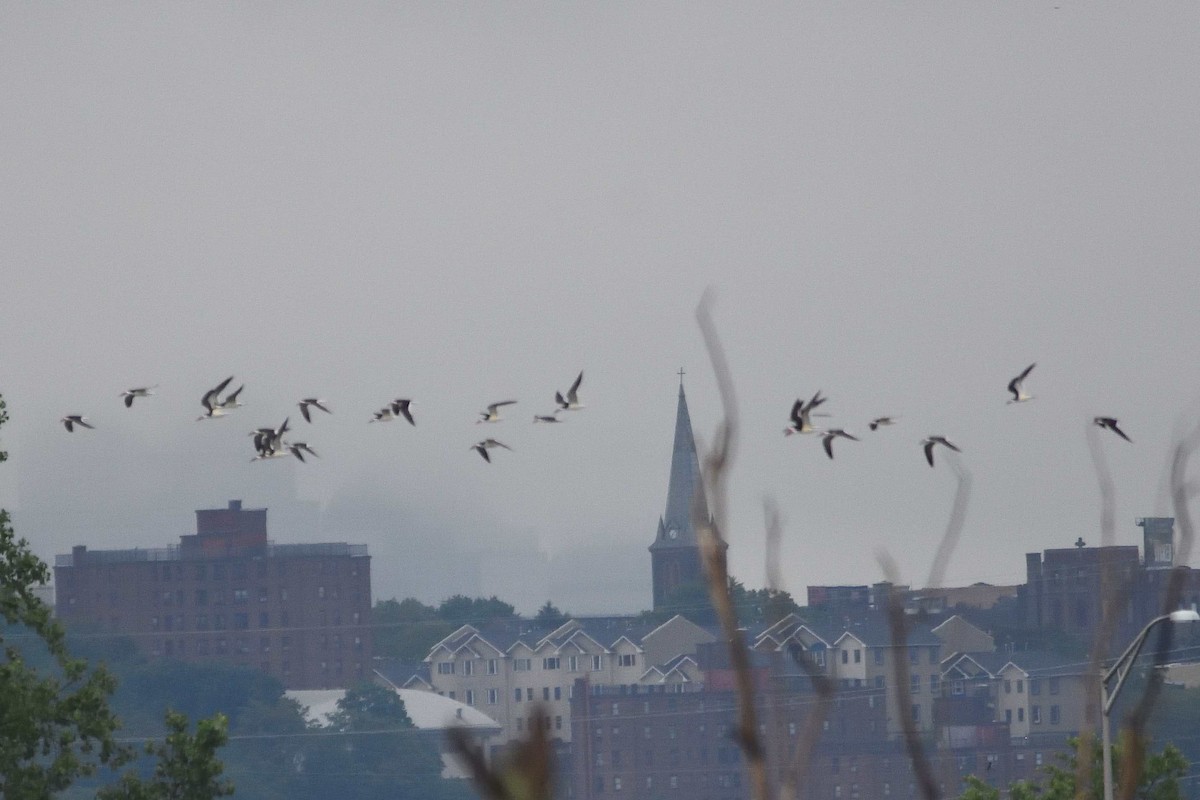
[298,612]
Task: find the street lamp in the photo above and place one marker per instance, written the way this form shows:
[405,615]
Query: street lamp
[1120,671]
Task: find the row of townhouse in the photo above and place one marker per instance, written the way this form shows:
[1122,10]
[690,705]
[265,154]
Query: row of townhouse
[511,673]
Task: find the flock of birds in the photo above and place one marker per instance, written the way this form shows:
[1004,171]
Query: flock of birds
[271,443]
[802,413]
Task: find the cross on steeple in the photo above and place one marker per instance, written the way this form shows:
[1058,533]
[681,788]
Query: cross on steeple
[681,373]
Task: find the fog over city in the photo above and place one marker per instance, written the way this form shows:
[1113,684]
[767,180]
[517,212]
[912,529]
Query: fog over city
[900,206]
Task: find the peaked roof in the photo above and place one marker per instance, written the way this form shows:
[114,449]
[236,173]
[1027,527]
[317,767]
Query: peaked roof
[686,488]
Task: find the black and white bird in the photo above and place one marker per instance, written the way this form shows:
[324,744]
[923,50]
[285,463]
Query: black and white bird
[213,407]
[1015,386]
[571,401]
[384,414]
[801,412]
[493,412]
[831,434]
[487,444]
[298,449]
[548,417]
[130,394]
[929,442]
[403,407]
[231,400]
[269,441]
[71,420]
[1111,424]
[312,402]
[880,421]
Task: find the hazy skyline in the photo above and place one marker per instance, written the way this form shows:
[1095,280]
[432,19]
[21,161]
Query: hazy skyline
[900,206]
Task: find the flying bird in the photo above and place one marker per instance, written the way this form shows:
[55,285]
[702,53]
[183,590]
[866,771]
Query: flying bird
[800,415]
[211,401]
[571,403]
[231,400]
[1111,424]
[130,394]
[929,443]
[312,402]
[1014,386]
[878,421]
[548,417]
[493,412]
[384,414]
[487,444]
[71,420]
[831,434]
[403,407]
[298,449]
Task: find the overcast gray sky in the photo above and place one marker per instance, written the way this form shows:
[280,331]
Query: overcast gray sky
[900,205]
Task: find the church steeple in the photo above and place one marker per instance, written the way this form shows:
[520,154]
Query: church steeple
[675,553]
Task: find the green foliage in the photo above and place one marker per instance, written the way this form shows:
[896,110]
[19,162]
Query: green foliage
[1159,781]
[461,610]
[549,616]
[407,629]
[753,606]
[373,739]
[55,725]
[187,768]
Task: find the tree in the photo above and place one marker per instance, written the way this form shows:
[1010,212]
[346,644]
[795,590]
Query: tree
[187,769]
[1159,781]
[371,736]
[549,616]
[407,629]
[54,728]
[461,609]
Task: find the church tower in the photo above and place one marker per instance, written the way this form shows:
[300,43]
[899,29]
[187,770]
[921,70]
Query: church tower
[675,555]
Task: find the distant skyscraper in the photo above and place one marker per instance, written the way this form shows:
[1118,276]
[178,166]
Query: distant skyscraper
[675,555]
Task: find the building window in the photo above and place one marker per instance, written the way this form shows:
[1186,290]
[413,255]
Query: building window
[470,697]
[493,696]
[914,655]
[1021,714]
[1021,687]
[545,692]
[572,663]
[262,594]
[529,693]
[1054,686]
[241,621]
[1035,685]
[628,660]
[516,695]
[264,620]
[878,657]
[201,597]
[958,688]
[1008,687]
[1035,715]
[934,684]
[845,656]
[616,784]
[914,684]
[240,595]
[468,667]
[558,693]
[321,592]
[674,781]
[445,668]
[1055,716]
[522,664]
[597,662]
[492,664]
[916,712]
[1008,715]
[858,656]
[550,663]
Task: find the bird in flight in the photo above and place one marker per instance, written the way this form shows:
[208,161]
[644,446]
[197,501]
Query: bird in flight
[130,394]
[298,449]
[571,402]
[548,417]
[403,407]
[800,415]
[831,434]
[71,420]
[493,412]
[1111,424]
[931,441]
[312,402]
[213,406]
[1015,387]
[875,423]
[487,444]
